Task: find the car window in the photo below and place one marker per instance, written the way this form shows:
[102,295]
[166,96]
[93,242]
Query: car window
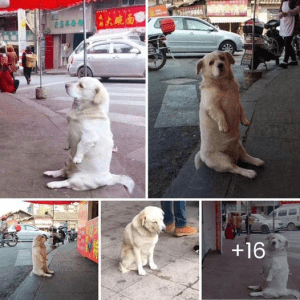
[293,212]
[196,25]
[102,48]
[271,214]
[178,23]
[282,213]
[28,227]
[121,48]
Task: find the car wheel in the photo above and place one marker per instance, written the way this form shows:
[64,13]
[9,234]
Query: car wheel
[80,72]
[265,229]
[291,227]
[228,46]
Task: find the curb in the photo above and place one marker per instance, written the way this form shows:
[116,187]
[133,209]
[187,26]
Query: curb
[189,178]
[28,288]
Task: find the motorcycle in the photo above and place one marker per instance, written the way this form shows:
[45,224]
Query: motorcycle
[72,235]
[11,239]
[57,235]
[157,47]
[266,47]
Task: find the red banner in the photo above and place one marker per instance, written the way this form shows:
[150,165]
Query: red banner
[289,202]
[228,8]
[127,17]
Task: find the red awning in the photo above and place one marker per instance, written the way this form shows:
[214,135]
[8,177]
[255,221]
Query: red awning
[52,202]
[43,4]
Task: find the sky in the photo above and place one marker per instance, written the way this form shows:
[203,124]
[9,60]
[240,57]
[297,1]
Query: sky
[12,205]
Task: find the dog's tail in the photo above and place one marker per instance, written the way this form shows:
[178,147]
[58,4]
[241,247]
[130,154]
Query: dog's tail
[124,180]
[197,161]
[294,293]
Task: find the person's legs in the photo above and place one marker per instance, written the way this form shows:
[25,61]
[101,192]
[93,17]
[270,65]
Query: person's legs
[289,49]
[180,213]
[167,208]
[29,74]
[1,240]
[16,82]
[26,73]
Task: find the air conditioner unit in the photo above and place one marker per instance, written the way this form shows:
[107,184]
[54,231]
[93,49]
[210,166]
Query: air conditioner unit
[4,3]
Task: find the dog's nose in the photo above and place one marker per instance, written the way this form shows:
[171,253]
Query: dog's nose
[274,242]
[220,66]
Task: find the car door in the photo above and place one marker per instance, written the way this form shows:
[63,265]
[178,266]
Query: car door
[126,60]
[201,37]
[98,57]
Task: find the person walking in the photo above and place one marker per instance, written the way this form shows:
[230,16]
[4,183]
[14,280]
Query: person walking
[3,230]
[239,226]
[65,229]
[249,222]
[289,26]
[232,223]
[12,60]
[179,225]
[27,71]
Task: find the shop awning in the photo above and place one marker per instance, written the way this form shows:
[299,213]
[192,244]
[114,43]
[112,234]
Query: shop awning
[183,3]
[228,19]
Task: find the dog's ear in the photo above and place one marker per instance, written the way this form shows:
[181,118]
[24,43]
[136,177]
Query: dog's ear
[230,57]
[199,66]
[286,244]
[143,219]
[268,238]
[98,96]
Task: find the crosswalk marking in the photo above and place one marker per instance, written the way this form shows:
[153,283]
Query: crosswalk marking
[180,107]
[23,258]
[127,119]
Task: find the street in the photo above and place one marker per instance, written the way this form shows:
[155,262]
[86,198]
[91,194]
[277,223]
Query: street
[127,115]
[227,276]
[173,117]
[15,265]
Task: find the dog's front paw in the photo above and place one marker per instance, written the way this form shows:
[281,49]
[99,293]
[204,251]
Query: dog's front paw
[51,272]
[246,122]
[142,272]
[52,185]
[153,266]
[269,278]
[223,127]
[77,159]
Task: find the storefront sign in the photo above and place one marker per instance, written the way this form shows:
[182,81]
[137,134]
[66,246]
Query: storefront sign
[229,8]
[91,240]
[133,16]
[12,36]
[196,10]
[158,11]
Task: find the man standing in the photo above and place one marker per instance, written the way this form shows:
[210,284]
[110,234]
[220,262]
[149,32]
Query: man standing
[27,71]
[3,230]
[65,228]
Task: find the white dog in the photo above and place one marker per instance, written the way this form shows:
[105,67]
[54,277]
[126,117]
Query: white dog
[275,270]
[39,257]
[90,140]
[139,240]
[221,112]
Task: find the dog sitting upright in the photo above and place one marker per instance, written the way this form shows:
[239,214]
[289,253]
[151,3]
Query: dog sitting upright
[275,270]
[221,112]
[90,140]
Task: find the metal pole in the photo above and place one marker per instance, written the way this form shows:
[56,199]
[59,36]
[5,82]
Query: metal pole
[253,27]
[40,42]
[273,216]
[84,37]
[35,37]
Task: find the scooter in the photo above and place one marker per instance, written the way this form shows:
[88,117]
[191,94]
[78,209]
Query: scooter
[11,239]
[157,47]
[72,235]
[57,235]
[266,47]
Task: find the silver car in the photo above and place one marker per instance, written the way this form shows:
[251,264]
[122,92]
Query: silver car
[114,58]
[28,232]
[263,224]
[193,35]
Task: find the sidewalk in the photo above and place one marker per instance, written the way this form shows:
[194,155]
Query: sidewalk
[75,278]
[226,276]
[32,139]
[177,276]
[272,106]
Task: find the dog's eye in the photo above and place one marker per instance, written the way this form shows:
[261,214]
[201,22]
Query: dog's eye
[81,86]
[222,58]
[211,62]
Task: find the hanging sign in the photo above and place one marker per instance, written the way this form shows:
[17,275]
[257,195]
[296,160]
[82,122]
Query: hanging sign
[133,16]
[227,8]
[4,3]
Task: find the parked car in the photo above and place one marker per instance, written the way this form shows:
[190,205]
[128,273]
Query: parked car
[289,215]
[193,35]
[112,58]
[263,224]
[28,232]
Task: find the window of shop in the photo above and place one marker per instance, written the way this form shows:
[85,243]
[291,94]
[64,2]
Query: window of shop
[128,2]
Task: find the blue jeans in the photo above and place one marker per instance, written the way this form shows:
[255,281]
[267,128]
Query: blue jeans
[179,213]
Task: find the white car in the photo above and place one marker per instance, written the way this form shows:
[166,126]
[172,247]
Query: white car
[263,224]
[289,215]
[28,232]
[193,35]
[111,58]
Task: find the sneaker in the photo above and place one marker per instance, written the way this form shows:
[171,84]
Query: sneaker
[293,63]
[283,65]
[187,230]
[170,228]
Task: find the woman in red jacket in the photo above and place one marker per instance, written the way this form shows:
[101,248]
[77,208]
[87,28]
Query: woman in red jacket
[7,83]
